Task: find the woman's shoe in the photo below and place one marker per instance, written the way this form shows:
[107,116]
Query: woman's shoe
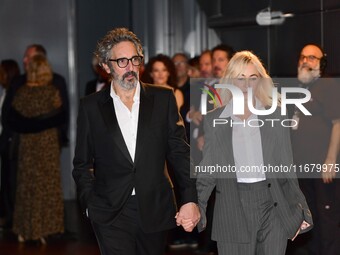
[43,241]
[21,239]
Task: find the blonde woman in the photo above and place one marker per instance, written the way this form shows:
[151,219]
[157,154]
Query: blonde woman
[39,207]
[256,211]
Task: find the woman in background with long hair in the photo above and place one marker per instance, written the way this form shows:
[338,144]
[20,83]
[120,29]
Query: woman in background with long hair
[160,70]
[39,209]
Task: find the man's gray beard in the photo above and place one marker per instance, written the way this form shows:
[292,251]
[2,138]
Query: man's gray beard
[306,76]
[128,85]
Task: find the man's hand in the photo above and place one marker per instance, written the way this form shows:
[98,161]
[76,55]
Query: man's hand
[200,142]
[329,174]
[303,226]
[195,116]
[333,151]
[188,216]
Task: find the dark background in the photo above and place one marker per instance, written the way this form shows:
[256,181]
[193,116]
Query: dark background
[314,21]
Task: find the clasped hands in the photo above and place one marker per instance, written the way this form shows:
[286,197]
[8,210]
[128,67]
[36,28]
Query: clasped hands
[188,216]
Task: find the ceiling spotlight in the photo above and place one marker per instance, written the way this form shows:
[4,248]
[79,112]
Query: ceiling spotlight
[269,18]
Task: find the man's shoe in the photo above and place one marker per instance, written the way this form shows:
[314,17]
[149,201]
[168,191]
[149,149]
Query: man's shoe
[177,244]
[193,244]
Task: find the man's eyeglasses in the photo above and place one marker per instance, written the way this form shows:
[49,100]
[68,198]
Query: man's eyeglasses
[309,58]
[177,63]
[123,62]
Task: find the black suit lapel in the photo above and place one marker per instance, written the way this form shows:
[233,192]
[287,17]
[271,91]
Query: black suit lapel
[145,114]
[107,110]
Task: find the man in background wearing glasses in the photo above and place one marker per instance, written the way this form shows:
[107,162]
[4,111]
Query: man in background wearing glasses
[316,144]
[125,134]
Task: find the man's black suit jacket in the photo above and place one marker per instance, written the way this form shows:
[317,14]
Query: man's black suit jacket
[101,146]
[91,87]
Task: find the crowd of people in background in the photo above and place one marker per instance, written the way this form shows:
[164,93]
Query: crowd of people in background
[34,127]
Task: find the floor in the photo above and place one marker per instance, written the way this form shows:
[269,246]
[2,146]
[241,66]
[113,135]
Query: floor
[82,242]
[69,245]
[59,246]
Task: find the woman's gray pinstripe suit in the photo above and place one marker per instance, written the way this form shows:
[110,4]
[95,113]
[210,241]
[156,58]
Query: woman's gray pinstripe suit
[289,204]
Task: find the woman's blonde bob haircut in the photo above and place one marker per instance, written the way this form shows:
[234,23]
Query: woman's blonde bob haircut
[39,71]
[236,65]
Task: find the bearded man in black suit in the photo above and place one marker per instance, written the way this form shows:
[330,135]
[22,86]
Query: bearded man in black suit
[127,133]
